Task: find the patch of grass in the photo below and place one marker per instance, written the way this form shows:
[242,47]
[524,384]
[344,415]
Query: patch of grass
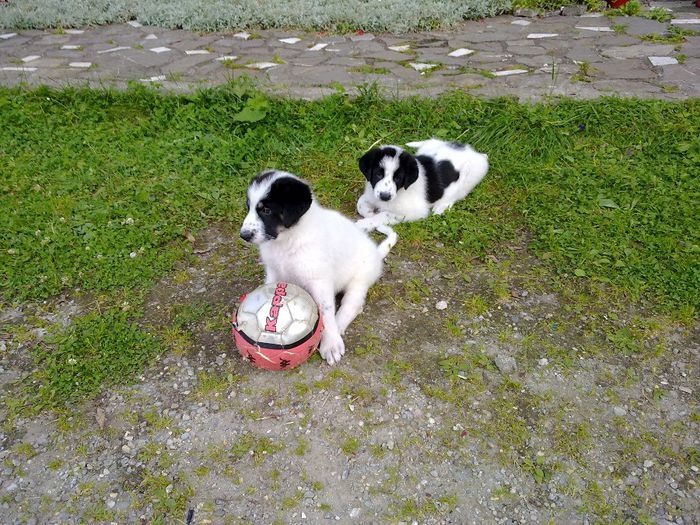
[350,446]
[428,507]
[257,447]
[98,349]
[657,13]
[369,70]
[675,35]
[76,170]
[26,450]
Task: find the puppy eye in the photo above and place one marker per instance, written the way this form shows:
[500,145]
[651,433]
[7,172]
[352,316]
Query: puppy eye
[265,210]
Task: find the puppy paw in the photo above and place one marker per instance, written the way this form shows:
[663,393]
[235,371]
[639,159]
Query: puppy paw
[332,348]
[439,210]
[366,225]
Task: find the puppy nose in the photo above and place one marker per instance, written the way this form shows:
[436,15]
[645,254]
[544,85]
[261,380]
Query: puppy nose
[385,196]
[246,235]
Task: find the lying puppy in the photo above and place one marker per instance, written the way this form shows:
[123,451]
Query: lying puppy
[318,249]
[403,187]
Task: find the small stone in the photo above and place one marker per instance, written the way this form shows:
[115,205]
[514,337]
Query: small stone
[317,47]
[111,503]
[126,449]
[292,40]
[262,65]
[573,10]
[508,72]
[364,37]
[663,61]
[169,489]
[11,487]
[526,12]
[400,49]
[521,22]
[462,51]
[80,65]
[434,473]
[505,363]
[420,66]
[159,50]
[151,36]
[685,389]
[8,35]
[619,411]
[355,512]
[648,463]
[243,35]
[134,23]
[535,36]
[390,444]
[441,305]
[543,362]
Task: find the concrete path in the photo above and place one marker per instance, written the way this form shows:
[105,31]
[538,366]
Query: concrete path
[581,56]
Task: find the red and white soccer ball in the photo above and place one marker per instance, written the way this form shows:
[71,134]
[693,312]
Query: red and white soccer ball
[277,326]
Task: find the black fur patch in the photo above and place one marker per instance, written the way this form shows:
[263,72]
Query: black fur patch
[438,176]
[283,206]
[405,175]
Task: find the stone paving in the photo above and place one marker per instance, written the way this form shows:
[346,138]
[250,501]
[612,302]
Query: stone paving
[583,56]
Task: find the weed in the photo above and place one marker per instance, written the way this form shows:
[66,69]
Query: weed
[657,13]
[369,70]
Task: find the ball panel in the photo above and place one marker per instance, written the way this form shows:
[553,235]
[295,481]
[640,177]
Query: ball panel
[277,326]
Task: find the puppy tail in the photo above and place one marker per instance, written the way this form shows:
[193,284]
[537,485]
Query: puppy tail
[387,244]
[416,144]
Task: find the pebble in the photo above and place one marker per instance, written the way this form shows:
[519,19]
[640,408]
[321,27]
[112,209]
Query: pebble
[441,305]
[619,411]
[11,487]
[355,512]
[111,503]
[648,463]
[505,363]
[543,362]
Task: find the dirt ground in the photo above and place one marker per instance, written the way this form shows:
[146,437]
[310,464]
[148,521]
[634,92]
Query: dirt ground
[527,399]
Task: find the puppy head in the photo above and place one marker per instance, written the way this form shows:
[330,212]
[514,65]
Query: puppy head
[276,201]
[388,169]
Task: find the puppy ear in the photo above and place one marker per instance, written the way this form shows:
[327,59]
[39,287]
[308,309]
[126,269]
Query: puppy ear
[409,166]
[296,201]
[368,160]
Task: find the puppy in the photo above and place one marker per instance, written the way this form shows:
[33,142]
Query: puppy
[318,249]
[403,187]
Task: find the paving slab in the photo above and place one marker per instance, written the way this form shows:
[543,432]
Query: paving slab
[120,53]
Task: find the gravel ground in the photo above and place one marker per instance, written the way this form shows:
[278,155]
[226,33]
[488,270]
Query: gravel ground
[473,392]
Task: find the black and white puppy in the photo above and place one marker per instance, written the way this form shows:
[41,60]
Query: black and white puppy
[404,187]
[318,249]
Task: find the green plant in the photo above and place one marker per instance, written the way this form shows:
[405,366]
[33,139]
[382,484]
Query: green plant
[98,349]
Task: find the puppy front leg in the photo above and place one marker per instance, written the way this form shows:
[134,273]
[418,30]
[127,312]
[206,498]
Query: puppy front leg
[351,306]
[380,219]
[332,347]
[271,276]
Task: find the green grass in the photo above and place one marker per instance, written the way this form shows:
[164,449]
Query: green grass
[99,348]
[101,187]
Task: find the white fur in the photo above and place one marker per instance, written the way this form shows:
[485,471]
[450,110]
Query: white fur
[325,253]
[412,204]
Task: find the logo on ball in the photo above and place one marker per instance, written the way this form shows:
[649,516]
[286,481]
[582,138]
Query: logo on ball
[271,321]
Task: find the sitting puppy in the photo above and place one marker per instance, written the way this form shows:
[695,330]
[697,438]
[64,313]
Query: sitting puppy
[403,187]
[318,249]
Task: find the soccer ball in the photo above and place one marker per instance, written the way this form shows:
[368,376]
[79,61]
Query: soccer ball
[277,326]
